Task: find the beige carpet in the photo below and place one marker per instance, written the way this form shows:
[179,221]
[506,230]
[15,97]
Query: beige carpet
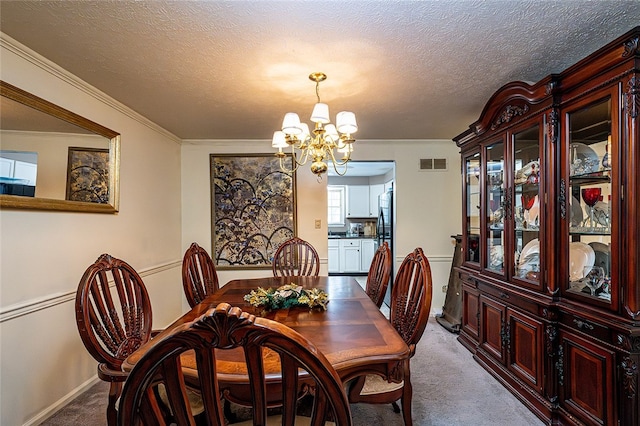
[442,394]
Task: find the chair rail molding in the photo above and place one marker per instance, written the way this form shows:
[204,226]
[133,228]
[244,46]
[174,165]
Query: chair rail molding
[34,305]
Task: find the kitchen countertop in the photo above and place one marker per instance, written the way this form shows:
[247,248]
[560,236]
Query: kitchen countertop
[345,237]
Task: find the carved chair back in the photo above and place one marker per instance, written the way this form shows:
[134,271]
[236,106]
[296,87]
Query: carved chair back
[112,322]
[229,328]
[410,306]
[411,297]
[296,257]
[379,272]
[199,276]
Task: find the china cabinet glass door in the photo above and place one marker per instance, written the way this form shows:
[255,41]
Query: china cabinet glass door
[494,207]
[591,171]
[472,208]
[527,208]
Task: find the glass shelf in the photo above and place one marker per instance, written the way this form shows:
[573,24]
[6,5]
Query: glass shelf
[585,230]
[602,176]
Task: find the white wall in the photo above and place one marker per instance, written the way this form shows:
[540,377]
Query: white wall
[43,362]
[428,203]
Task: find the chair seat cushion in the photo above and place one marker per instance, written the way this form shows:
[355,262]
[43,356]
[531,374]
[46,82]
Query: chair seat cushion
[375,384]
[277,421]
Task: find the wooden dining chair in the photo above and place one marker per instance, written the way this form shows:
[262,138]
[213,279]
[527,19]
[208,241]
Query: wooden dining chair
[379,273]
[296,257]
[112,322]
[410,305]
[229,328]
[199,276]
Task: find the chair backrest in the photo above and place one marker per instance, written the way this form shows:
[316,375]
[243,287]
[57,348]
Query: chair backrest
[411,297]
[199,276]
[227,328]
[379,272]
[112,323]
[296,257]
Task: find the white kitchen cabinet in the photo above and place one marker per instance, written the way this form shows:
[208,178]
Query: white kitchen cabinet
[358,201]
[333,259]
[374,192]
[367,250]
[350,255]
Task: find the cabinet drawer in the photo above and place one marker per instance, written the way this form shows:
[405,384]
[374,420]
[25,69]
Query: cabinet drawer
[509,297]
[350,243]
[589,327]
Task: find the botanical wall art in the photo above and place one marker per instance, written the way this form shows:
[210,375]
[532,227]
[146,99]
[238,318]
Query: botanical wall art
[88,175]
[253,209]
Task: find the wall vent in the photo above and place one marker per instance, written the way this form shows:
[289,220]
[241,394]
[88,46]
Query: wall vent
[433,164]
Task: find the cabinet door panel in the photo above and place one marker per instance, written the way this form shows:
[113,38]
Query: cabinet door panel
[495,199]
[492,327]
[358,201]
[525,348]
[333,258]
[374,192]
[470,320]
[593,191]
[367,251]
[350,260]
[589,381]
[471,199]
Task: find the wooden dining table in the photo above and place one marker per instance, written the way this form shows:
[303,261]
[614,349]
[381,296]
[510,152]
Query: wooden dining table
[352,332]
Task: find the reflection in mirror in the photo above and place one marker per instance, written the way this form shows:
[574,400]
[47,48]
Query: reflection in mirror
[54,159]
[18,171]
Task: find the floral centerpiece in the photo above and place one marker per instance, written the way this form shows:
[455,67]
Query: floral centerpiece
[288,296]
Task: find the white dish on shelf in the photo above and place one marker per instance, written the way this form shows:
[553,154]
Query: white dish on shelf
[581,256]
[584,160]
[577,214]
[603,256]
[496,257]
[601,213]
[529,249]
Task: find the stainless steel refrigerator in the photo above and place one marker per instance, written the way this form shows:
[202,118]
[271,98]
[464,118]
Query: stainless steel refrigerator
[384,231]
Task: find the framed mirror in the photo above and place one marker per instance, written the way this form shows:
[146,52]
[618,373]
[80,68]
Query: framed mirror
[54,159]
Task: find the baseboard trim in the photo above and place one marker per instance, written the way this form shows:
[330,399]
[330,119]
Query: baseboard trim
[61,403]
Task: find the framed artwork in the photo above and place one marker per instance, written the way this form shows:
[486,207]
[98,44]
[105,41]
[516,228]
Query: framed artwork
[253,209]
[88,175]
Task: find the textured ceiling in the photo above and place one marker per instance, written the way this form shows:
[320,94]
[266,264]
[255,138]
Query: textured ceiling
[231,69]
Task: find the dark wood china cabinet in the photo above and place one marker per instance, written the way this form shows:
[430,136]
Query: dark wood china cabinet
[551,236]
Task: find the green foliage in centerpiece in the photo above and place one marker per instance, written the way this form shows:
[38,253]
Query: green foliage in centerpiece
[287,296]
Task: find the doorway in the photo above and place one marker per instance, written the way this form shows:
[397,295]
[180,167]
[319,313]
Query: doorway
[355,225]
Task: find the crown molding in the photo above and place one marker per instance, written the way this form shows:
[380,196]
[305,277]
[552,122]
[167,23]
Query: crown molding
[34,58]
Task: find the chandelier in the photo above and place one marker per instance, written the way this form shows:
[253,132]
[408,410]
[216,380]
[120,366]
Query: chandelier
[320,144]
